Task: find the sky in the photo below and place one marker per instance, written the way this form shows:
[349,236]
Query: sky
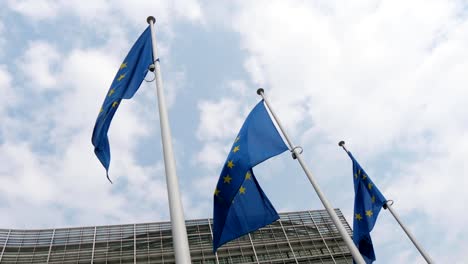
[387,77]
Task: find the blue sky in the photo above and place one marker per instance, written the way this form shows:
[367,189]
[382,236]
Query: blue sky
[388,77]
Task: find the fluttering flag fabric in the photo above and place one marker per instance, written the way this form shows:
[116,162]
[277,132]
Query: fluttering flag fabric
[240,205]
[128,79]
[368,201]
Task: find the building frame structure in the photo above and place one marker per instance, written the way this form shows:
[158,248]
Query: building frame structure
[298,237]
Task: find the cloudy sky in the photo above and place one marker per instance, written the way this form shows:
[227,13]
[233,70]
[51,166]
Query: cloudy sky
[388,77]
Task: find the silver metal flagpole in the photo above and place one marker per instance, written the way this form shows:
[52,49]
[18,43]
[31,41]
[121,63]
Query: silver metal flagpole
[408,233]
[296,153]
[179,231]
[388,205]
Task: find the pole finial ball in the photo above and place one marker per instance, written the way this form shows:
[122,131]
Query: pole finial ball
[341,143]
[260,91]
[151,18]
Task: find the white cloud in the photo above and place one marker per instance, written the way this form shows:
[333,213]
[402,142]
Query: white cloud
[74,182]
[102,11]
[35,9]
[218,119]
[329,61]
[95,10]
[172,87]
[377,68]
[2,40]
[211,155]
[255,70]
[430,184]
[6,90]
[38,63]
[18,180]
[163,11]
[239,87]
[188,8]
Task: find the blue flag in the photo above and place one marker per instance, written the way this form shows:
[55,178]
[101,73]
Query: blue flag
[131,73]
[368,201]
[240,205]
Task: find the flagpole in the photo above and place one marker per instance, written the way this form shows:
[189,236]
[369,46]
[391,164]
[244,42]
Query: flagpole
[388,205]
[179,231]
[297,155]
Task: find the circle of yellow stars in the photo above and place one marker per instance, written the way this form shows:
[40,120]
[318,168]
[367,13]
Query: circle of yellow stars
[230,164]
[368,213]
[112,90]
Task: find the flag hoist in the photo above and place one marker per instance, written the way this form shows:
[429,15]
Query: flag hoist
[143,56]
[296,154]
[368,198]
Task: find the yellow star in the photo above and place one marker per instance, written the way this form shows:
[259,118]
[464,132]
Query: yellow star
[236,148]
[242,190]
[121,77]
[372,199]
[359,172]
[123,65]
[100,111]
[237,139]
[248,175]
[369,213]
[230,164]
[358,217]
[355,175]
[111,92]
[370,186]
[364,176]
[216,193]
[227,179]
[114,104]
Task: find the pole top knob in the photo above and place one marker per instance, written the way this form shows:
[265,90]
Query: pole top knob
[341,143]
[151,18]
[260,91]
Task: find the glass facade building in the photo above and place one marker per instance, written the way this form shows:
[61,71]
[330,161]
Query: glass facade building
[298,237]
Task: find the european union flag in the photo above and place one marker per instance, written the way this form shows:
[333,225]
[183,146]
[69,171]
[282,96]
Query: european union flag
[240,205]
[131,73]
[367,204]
